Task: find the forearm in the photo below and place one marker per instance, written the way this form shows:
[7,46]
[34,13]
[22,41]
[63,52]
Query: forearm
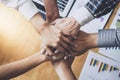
[38,22]
[25,7]
[64,71]
[52,11]
[17,68]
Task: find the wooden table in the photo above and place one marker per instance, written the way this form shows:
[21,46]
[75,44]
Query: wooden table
[14,46]
[79,61]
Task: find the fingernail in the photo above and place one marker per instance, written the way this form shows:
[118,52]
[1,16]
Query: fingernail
[54,58]
[65,58]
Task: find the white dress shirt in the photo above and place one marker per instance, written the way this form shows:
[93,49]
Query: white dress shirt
[83,16]
[94,9]
[26,7]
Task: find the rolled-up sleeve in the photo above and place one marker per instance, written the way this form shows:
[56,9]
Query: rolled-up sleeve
[109,38]
[25,7]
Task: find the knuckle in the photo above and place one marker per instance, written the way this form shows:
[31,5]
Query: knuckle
[59,35]
[54,44]
[57,40]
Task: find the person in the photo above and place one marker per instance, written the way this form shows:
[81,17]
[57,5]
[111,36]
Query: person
[88,41]
[19,67]
[104,38]
[69,31]
[43,27]
[16,39]
[93,9]
[16,21]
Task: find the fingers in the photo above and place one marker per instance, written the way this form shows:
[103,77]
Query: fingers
[58,21]
[67,40]
[61,49]
[54,56]
[75,30]
[42,51]
[65,45]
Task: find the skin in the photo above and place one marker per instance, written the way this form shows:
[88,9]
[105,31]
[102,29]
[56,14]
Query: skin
[43,29]
[51,15]
[84,42]
[70,28]
[63,68]
[19,67]
[64,71]
[50,34]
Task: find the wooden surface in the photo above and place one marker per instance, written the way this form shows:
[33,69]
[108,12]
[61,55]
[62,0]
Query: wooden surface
[18,39]
[79,61]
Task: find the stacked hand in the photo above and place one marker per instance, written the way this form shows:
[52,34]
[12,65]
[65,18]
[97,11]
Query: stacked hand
[64,39]
[69,26]
[53,38]
[81,41]
[48,55]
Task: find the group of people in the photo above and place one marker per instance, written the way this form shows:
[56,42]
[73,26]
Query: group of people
[61,38]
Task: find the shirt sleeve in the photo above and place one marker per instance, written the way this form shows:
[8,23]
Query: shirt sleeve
[109,38]
[82,16]
[25,7]
[94,9]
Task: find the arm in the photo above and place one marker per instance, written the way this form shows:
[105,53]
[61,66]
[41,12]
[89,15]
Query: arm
[25,7]
[52,11]
[93,9]
[19,67]
[104,38]
[28,9]
[14,69]
[62,67]
[64,71]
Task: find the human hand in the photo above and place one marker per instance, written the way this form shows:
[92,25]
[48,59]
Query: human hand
[51,56]
[52,36]
[84,42]
[69,26]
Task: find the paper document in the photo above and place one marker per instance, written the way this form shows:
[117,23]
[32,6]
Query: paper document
[113,52]
[98,67]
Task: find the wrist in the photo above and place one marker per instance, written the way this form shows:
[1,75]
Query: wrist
[41,58]
[38,22]
[93,40]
